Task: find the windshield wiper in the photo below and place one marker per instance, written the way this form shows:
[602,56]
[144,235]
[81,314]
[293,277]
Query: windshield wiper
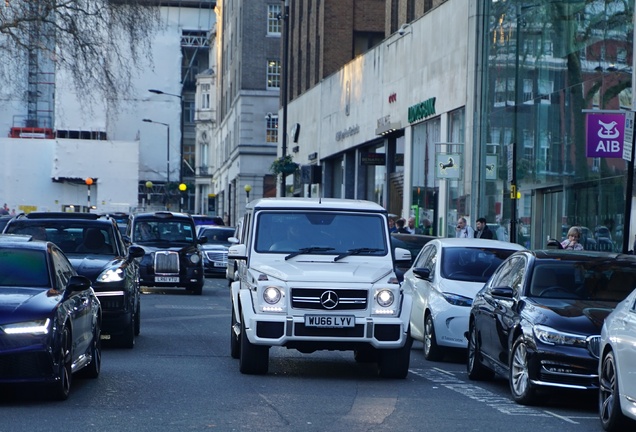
[356,252]
[308,250]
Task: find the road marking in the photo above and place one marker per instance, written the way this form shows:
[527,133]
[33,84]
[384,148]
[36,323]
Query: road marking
[500,403]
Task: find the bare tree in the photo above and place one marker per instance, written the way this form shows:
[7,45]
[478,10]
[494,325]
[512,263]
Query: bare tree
[99,43]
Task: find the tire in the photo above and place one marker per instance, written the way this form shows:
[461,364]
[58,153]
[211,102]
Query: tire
[253,359]
[138,318]
[609,404]
[476,370]
[394,363]
[235,339]
[523,391]
[432,351]
[197,289]
[366,355]
[127,338]
[61,389]
[94,367]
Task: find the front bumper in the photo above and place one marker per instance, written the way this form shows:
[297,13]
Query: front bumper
[451,323]
[563,366]
[290,330]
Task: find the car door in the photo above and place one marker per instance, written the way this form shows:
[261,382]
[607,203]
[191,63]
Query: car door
[490,309]
[626,333]
[413,285]
[78,305]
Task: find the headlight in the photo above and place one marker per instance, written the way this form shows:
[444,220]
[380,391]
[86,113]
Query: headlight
[37,327]
[111,275]
[550,336]
[385,298]
[457,300]
[272,295]
[195,258]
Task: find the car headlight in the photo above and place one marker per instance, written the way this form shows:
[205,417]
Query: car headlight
[273,299]
[195,258]
[385,298]
[111,275]
[35,327]
[550,336]
[385,302]
[457,300]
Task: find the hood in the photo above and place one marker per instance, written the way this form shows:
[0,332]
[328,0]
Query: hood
[328,272]
[216,247]
[574,316]
[92,266]
[462,288]
[17,304]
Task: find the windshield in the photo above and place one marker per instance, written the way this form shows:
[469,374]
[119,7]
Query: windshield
[321,233]
[176,231]
[582,280]
[471,264]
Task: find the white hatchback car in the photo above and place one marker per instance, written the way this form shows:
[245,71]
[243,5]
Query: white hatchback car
[617,368]
[443,281]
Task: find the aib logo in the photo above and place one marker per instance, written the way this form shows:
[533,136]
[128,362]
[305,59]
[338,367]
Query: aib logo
[392,98]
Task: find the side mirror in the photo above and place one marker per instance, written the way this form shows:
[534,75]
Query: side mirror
[135,252]
[422,273]
[78,283]
[504,292]
[233,240]
[238,251]
[402,256]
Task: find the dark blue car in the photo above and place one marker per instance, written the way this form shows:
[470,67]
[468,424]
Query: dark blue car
[50,318]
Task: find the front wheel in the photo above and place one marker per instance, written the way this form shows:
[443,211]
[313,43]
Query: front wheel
[432,351]
[394,363]
[476,370]
[523,391]
[253,359]
[62,386]
[612,417]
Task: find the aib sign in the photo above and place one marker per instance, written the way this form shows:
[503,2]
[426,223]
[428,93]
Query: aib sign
[605,135]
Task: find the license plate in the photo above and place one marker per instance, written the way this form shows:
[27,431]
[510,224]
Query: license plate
[337,321]
[167,279]
[220,264]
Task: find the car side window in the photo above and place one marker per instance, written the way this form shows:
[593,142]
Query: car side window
[423,256]
[62,268]
[510,273]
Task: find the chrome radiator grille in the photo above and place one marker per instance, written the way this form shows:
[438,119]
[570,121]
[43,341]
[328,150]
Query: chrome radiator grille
[219,256]
[166,262]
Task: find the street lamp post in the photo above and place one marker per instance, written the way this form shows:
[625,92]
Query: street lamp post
[284,89]
[89,182]
[161,92]
[167,154]
[149,186]
[182,189]
[248,189]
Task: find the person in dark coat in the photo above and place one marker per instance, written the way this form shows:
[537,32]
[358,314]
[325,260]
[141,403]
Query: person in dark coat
[400,226]
[482,230]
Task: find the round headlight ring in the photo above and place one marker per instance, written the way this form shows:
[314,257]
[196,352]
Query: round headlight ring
[272,295]
[385,298]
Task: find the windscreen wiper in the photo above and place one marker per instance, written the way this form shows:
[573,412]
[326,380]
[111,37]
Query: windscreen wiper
[308,250]
[356,252]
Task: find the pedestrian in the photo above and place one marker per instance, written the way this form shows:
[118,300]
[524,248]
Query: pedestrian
[4,210]
[428,227]
[392,227]
[411,228]
[572,242]
[482,230]
[400,226]
[463,230]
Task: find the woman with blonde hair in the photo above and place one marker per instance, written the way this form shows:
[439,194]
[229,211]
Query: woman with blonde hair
[572,242]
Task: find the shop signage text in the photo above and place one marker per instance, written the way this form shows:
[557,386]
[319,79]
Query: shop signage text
[351,130]
[422,110]
[605,135]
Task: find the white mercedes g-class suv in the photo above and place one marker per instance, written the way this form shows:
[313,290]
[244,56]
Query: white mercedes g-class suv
[318,274]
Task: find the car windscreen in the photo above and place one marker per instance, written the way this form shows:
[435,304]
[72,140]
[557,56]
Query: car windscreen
[163,230]
[217,236]
[70,236]
[471,264]
[601,280]
[23,268]
[323,232]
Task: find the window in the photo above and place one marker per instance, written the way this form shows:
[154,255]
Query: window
[273,74]
[527,91]
[500,92]
[205,96]
[272,129]
[273,19]
[545,89]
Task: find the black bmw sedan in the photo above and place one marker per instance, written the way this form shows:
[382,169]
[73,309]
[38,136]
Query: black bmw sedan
[538,319]
[50,318]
